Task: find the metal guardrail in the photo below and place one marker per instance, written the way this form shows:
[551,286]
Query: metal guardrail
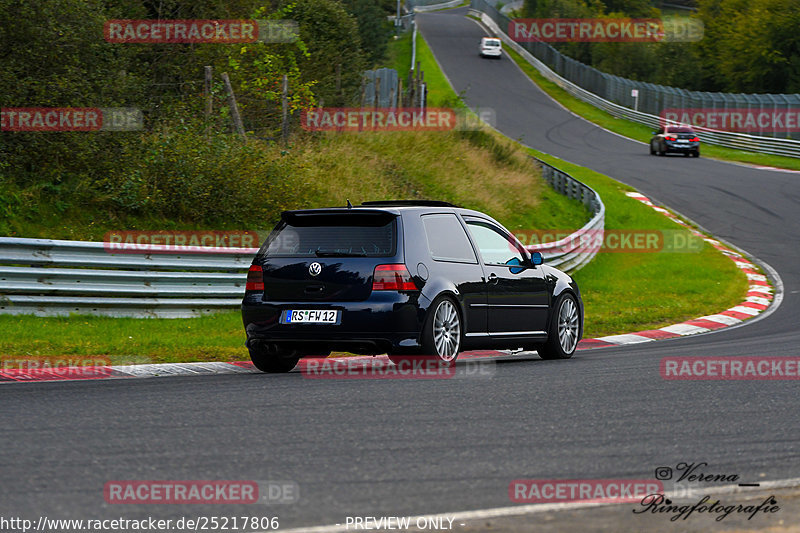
[422,6]
[739,141]
[53,277]
[512,6]
[572,253]
[414,45]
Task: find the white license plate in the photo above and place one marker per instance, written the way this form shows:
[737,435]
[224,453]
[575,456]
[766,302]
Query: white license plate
[683,140]
[310,316]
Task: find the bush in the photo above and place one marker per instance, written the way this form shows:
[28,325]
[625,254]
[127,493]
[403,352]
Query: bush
[182,174]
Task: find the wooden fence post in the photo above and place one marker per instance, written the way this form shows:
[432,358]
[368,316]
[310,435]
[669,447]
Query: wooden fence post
[285,109]
[237,119]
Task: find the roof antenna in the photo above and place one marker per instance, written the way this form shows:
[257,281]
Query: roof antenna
[349,205]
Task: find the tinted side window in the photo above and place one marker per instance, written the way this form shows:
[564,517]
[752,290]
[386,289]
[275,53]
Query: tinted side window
[495,247]
[447,240]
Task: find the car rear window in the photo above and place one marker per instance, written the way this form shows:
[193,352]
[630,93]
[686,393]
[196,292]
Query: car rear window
[332,235]
[447,240]
[679,130]
[491,43]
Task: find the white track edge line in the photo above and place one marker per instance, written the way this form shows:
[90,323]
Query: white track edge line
[519,510]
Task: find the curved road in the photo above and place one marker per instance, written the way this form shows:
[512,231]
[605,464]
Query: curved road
[396,447]
[757,210]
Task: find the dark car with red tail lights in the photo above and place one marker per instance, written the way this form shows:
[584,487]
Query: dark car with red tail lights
[405,278]
[675,140]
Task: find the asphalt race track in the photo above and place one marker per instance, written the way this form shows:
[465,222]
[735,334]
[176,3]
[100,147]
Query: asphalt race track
[409,447]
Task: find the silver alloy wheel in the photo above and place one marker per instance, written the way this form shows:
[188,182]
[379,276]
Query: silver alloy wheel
[446,331]
[568,325]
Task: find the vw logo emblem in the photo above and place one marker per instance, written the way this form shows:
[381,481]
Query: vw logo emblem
[314,268]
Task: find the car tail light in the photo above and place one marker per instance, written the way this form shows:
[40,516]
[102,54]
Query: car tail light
[392,278]
[671,138]
[255,279]
[695,139]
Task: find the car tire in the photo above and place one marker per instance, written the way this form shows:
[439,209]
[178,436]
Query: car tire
[652,152]
[277,362]
[429,350]
[696,153]
[443,333]
[660,152]
[564,331]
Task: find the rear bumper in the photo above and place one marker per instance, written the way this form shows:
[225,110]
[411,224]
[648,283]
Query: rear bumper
[491,53]
[387,322]
[682,147]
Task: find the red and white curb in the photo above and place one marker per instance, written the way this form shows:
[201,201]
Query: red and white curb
[759,297]
[75,373]
[762,167]
[71,373]
[777,169]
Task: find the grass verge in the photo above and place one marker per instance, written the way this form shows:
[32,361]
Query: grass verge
[120,341]
[637,131]
[627,292]
[440,93]
[398,54]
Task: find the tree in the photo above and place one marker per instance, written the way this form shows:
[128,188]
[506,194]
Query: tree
[334,55]
[52,54]
[751,45]
[560,9]
[373,28]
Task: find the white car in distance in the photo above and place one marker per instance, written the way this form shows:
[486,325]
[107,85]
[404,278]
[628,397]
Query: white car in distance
[491,47]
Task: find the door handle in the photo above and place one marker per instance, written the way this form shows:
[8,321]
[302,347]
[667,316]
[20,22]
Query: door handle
[493,278]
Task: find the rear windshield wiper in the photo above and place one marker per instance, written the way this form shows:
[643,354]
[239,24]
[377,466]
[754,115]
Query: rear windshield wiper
[323,253]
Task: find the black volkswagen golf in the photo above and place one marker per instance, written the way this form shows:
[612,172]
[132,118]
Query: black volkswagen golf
[404,278]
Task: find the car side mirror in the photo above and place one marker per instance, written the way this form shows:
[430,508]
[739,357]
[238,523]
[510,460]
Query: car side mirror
[515,265]
[536,258]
